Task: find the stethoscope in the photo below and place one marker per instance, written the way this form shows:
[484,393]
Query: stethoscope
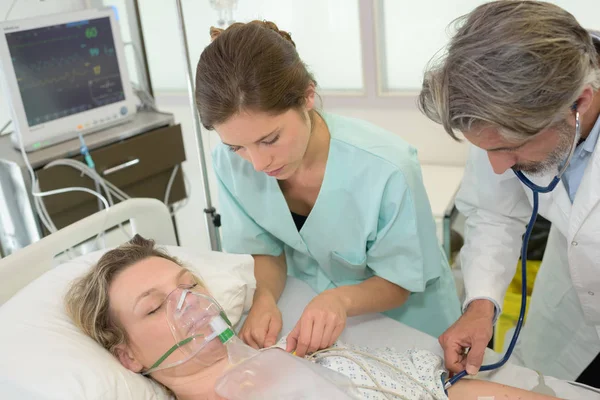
[534,213]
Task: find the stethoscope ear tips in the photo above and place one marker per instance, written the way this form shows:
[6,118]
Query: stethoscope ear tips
[574,107]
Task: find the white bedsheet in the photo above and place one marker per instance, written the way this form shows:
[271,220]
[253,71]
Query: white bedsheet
[380,331]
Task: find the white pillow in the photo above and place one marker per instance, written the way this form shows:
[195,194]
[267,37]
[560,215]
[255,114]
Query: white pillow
[47,357]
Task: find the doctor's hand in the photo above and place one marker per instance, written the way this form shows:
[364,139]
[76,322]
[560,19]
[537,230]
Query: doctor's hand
[472,331]
[263,323]
[321,323]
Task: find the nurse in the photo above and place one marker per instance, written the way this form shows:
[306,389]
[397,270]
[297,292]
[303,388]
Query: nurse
[334,201]
[516,78]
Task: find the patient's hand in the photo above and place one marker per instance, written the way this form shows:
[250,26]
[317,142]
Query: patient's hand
[321,323]
[263,324]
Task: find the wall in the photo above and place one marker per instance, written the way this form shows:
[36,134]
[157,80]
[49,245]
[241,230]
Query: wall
[417,29]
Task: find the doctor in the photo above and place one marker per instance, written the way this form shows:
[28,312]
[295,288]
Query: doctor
[336,202]
[513,80]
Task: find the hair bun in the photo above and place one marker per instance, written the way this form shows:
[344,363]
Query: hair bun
[272,26]
[215,32]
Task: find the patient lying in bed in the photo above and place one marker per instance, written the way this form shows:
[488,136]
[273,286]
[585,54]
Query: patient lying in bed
[120,304]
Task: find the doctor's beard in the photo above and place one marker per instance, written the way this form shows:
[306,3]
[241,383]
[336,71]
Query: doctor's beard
[555,158]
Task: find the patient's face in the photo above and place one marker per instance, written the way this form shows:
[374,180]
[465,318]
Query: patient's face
[136,300]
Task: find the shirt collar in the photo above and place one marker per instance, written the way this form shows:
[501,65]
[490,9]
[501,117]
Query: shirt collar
[590,142]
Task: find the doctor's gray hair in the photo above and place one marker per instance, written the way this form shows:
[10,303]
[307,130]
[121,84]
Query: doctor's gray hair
[517,66]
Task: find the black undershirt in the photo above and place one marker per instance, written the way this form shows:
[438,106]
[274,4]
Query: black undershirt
[299,220]
[591,375]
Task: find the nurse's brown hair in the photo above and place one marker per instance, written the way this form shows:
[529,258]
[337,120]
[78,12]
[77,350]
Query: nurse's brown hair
[250,67]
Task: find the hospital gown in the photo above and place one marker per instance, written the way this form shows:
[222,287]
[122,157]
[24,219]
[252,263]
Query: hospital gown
[372,217]
[420,377]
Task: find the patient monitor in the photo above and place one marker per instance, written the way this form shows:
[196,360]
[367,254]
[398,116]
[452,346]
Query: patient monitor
[64,75]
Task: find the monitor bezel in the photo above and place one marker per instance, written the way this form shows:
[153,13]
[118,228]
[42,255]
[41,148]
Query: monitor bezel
[68,127]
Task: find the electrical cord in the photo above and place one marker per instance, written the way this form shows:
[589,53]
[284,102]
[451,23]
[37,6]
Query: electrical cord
[111,192]
[170,185]
[38,194]
[362,366]
[6,125]
[99,184]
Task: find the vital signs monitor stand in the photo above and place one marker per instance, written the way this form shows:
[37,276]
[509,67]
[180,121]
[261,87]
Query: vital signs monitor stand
[213,219]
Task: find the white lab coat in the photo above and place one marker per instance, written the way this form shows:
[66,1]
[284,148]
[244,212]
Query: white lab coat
[562,333]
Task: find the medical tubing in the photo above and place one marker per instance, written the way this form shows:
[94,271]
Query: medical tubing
[170,185]
[519,325]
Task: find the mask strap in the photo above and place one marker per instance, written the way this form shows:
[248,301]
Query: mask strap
[170,351]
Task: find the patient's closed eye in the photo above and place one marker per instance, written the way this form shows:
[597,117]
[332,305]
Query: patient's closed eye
[187,286]
[156,308]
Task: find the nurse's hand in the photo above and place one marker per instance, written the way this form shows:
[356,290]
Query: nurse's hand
[321,323]
[263,324]
[473,330]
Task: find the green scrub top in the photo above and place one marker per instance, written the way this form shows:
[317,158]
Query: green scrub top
[372,218]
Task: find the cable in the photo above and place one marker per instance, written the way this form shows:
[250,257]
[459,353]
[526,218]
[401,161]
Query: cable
[584,386]
[37,194]
[378,359]
[100,183]
[14,3]
[107,187]
[378,387]
[170,184]
[366,371]
[71,189]
[35,184]
[6,125]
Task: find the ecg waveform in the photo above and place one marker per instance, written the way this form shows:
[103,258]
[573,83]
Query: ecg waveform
[53,62]
[44,42]
[68,77]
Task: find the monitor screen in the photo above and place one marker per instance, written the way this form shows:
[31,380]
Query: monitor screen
[65,69]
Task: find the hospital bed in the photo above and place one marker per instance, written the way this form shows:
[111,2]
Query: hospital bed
[151,219]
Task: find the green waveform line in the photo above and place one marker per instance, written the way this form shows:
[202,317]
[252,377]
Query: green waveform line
[71,75]
[18,46]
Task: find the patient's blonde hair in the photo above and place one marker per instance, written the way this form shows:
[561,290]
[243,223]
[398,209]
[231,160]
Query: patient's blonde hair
[517,66]
[87,300]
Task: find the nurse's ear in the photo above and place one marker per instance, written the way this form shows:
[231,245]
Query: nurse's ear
[311,94]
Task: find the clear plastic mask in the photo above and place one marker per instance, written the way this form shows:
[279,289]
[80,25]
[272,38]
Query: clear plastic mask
[199,327]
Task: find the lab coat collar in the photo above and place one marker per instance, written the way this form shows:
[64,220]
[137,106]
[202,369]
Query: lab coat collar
[588,193]
[590,142]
